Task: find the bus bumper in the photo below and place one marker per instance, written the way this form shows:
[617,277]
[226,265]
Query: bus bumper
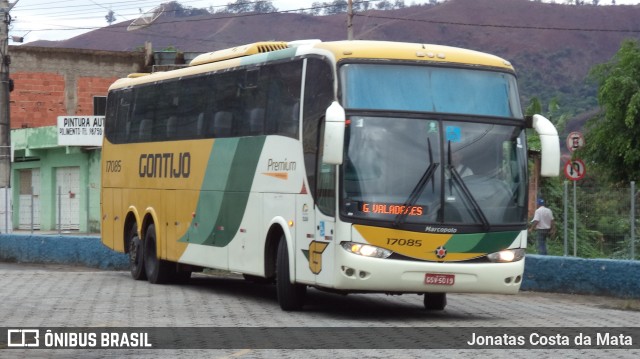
[358,273]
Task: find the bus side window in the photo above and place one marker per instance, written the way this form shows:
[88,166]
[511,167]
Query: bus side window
[284,84]
[255,121]
[144,131]
[326,186]
[172,127]
[223,124]
[289,123]
[318,95]
[117,117]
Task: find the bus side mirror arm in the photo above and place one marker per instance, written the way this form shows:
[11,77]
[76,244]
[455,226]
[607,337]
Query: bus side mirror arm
[333,141]
[549,145]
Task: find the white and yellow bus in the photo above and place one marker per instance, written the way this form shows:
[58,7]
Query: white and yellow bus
[350,166]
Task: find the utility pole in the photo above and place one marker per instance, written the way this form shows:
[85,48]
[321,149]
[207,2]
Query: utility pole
[350,21]
[5,126]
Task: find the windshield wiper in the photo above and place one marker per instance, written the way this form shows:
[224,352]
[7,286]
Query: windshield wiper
[465,190]
[417,190]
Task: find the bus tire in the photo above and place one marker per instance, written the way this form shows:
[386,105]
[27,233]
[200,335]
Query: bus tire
[136,254]
[290,296]
[158,271]
[435,301]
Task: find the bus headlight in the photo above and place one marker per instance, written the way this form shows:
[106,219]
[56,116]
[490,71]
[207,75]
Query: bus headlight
[366,250]
[507,255]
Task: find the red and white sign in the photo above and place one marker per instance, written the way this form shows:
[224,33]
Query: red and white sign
[575,140]
[574,170]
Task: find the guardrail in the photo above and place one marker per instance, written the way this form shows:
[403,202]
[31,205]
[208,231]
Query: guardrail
[73,250]
[616,278]
[610,277]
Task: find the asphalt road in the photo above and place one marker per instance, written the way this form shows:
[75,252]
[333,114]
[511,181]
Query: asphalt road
[34,296]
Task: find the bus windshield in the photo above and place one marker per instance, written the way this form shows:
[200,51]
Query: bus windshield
[430,89]
[427,171]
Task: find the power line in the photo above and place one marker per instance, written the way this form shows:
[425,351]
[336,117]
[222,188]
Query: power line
[222,16]
[216,16]
[521,27]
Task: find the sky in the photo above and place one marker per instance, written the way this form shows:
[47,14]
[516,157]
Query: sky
[58,20]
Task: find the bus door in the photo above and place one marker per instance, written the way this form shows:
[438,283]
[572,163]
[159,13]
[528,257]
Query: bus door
[324,249]
[315,231]
[323,263]
[314,241]
[305,235]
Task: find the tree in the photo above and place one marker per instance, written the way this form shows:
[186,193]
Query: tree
[316,8]
[613,137]
[175,9]
[336,7]
[384,5]
[239,6]
[110,17]
[264,7]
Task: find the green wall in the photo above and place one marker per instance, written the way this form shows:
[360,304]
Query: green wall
[37,148]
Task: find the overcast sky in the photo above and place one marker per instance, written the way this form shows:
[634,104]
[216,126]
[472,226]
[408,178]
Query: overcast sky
[59,20]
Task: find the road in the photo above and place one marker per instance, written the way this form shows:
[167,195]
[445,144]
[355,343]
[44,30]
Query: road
[62,296]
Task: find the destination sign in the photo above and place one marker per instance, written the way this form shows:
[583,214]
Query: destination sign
[388,208]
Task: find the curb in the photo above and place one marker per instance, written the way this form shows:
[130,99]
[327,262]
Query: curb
[74,250]
[615,278]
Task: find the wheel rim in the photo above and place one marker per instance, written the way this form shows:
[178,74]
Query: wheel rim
[134,251]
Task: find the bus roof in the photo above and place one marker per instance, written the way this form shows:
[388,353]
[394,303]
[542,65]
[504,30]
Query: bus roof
[262,52]
[410,51]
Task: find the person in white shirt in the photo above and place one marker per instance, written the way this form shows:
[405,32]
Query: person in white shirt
[462,169]
[544,225]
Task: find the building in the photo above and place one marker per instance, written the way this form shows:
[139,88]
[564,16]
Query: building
[55,184]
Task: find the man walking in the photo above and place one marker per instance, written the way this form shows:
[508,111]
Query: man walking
[544,224]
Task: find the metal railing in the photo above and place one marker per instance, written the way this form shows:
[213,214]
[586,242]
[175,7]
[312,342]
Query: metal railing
[595,222]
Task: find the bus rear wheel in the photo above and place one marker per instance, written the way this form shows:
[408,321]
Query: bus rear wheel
[158,271]
[290,296]
[136,254]
[435,301]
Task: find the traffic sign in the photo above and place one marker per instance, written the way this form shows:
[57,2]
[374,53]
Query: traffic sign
[574,170]
[575,140]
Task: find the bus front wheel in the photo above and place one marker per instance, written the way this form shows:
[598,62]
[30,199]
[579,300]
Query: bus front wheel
[290,296]
[435,301]
[157,270]
[136,254]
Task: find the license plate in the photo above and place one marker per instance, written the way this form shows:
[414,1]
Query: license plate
[439,279]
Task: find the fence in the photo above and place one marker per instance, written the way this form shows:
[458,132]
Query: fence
[594,222]
[5,210]
[69,209]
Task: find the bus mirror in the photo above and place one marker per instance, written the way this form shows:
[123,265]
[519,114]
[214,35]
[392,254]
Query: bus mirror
[333,147]
[549,145]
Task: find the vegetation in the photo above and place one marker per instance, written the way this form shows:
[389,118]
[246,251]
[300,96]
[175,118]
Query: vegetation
[110,17]
[613,137]
[244,6]
[612,154]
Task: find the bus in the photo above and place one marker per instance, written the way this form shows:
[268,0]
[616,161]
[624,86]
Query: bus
[331,165]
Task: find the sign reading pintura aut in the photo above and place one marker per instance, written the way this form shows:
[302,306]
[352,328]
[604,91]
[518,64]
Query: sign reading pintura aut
[80,130]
